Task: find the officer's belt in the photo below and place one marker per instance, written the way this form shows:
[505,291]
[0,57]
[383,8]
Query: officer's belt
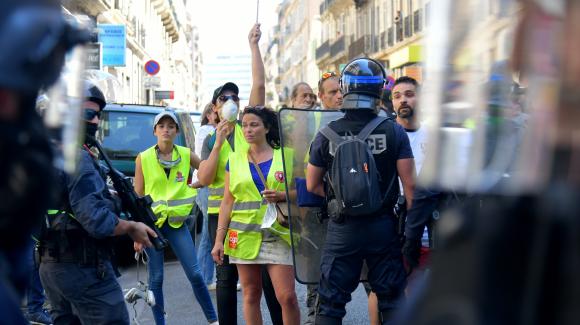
[173,203]
[85,251]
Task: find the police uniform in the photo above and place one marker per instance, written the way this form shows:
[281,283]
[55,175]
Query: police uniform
[372,238]
[75,268]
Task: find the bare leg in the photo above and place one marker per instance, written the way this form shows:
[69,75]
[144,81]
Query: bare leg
[251,280]
[283,280]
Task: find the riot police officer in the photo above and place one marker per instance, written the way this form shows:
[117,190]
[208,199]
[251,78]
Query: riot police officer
[362,81]
[74,250]
[34,38]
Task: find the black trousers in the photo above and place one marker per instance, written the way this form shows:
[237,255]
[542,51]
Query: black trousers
[226,291]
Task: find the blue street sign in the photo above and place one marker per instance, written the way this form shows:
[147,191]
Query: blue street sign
[152,67]
[113,38]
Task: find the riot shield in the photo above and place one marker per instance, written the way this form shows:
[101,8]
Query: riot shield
[307,217]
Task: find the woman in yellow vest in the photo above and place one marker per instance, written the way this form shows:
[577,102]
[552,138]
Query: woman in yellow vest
[162,172]
[251,241]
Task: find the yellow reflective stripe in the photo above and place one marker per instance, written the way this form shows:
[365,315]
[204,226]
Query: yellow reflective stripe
[173,203]
[245,226]
[247,206]
[53,212]
[178,218]
[218,191]
[214,204]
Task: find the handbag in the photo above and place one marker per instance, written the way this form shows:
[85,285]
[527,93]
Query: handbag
[268,220]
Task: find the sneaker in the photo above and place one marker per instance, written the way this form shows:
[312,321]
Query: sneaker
[39,318]
[238,287]
[211,286]
[214,323]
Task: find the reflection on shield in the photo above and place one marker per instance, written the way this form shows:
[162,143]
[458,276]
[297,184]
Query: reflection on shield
[298,129]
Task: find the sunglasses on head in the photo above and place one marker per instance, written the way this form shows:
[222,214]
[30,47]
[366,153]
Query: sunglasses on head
[225,98]
[325,76]
[91,113]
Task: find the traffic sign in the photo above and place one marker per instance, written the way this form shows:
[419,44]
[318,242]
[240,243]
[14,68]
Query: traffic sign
[152,67]
[152,82]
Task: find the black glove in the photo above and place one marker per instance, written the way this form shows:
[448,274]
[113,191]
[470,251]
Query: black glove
[412,251]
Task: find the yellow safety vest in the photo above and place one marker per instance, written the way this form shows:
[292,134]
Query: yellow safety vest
[216,189]
[172,198]
[244,236]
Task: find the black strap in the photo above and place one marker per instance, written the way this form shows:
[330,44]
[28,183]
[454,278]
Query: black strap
[333,137]
[370,127]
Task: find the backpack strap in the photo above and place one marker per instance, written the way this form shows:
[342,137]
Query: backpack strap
[331,135]
[370,127]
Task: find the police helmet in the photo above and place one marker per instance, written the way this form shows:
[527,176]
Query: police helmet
[92,93]
[363,76]
[34,38]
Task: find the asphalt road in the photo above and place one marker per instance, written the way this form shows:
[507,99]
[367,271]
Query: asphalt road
[182,308]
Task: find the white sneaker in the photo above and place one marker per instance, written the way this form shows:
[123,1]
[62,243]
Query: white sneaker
[211,286]
[238,287]
[215,323]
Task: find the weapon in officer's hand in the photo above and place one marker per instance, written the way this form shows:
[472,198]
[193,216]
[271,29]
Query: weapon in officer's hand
[400,210]
[138,207]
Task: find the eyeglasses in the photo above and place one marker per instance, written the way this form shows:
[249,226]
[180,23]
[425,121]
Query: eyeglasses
[91,113]
[225,98]
[325,76]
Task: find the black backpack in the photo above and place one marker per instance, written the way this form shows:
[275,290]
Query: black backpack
[353,175]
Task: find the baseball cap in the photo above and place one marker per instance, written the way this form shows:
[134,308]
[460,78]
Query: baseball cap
[163,114]
[227,86]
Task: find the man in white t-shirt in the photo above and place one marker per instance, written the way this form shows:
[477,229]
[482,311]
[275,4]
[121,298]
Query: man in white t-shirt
[405,101]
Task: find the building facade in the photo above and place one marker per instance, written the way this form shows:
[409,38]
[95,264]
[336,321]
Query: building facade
[297,40]
[157,30]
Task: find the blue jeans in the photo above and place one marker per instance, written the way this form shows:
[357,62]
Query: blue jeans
[205,244]
[183,247]
[34,291]
[78,294]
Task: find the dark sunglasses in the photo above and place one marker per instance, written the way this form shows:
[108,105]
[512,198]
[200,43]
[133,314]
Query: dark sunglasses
[225,98]
[91,113]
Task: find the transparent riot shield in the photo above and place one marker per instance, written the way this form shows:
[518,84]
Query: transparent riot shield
[307,214]
[107,83]
[488,121]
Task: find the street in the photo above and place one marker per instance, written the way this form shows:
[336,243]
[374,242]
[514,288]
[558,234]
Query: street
[182,308]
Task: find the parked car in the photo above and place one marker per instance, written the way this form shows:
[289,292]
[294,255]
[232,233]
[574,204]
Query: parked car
[125,131]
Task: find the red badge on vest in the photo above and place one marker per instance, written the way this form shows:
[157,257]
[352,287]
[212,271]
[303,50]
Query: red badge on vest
[179,177]
[233,241]
[279,176]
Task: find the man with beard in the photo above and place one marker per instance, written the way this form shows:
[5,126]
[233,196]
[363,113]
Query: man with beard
[302,96]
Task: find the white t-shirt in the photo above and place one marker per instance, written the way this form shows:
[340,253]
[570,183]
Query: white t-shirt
[202,133]
[418,141]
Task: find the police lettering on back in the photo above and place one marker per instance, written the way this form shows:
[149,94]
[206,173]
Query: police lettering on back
[376,142]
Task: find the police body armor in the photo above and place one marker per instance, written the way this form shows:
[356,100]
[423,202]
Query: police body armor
[63,240]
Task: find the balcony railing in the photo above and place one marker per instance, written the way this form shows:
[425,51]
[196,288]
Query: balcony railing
[356,48]
[337,47]
[323,50]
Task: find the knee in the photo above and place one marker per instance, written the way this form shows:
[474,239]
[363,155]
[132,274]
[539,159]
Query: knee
[287,298]
[252,293]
